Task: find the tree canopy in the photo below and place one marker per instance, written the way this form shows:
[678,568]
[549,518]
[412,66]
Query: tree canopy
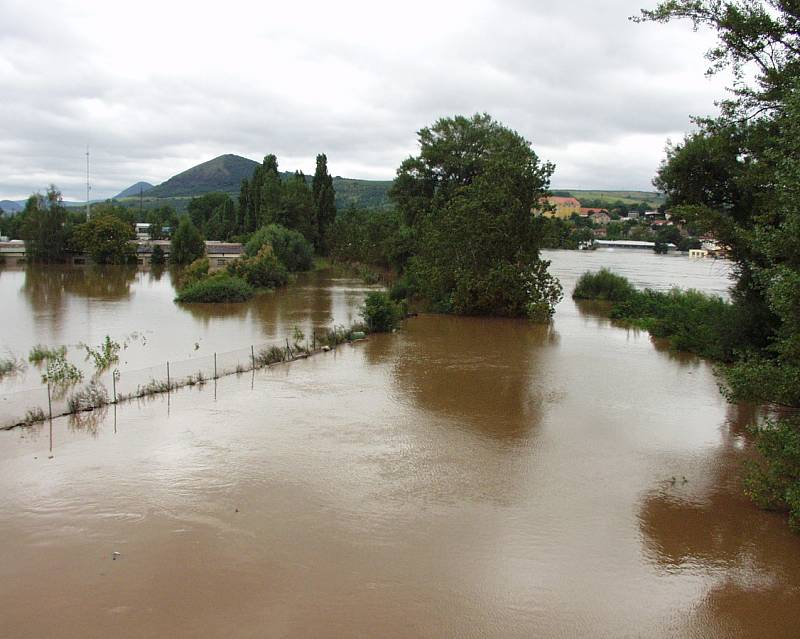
[468,197]
[43,227]
[187,243]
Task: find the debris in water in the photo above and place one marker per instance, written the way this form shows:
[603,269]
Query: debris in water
[114,555]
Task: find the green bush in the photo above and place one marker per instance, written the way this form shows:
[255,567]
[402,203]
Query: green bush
[774,484]
[692,321]
[292,249]
[603,285]
[220,287]
[195,272]
[380,312]
[262,271]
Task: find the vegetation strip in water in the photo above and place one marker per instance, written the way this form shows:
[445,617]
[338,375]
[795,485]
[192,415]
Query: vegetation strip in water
[380,314]
[711,327]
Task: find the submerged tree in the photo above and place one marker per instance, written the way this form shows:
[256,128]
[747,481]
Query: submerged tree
[107,240]
[43,227]
[468,197]
[187,243]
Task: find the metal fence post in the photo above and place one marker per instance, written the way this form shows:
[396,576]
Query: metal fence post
[215,366]
[49,402]
[168,383]
[252,357]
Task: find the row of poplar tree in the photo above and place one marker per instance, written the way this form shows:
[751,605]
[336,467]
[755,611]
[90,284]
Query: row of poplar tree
[265,199]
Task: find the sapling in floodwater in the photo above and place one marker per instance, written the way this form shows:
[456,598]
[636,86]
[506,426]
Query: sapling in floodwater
[61,373]
[103,356]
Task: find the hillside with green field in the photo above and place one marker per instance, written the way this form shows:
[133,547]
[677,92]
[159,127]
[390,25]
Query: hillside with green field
[613,197]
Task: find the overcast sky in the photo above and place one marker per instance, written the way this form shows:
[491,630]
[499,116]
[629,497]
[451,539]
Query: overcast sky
[157,87]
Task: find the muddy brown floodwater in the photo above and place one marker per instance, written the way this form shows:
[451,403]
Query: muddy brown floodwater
[462,478]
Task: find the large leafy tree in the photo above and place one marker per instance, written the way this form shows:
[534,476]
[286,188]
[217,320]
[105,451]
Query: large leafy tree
[106,239]
[738,175]
[296,209]
[187,243]
[468,196]
[43,227]
[324,201]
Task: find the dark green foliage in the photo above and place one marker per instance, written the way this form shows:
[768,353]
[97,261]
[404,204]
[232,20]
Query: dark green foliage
[290,247]
[692,321]
[773,482]
[263,270]
[603,285]
[195,272]
[324,201]
[187,243]
[468,197]
[296,210]
[214,215]
[43,227]
[157,256]
[376,237]
[218,288]
[381,313]
[106,239]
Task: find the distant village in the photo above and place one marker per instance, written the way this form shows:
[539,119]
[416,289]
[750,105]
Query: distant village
[573,226]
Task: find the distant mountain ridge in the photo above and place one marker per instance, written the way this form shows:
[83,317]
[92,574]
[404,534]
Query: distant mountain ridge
[134,190]
[10,206]
[226,172]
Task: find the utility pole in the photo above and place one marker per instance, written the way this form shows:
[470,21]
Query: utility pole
[88,188]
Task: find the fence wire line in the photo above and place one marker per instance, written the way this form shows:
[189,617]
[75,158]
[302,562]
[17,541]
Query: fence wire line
[112,386]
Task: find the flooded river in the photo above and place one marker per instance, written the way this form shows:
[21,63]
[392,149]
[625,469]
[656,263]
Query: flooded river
[464,477]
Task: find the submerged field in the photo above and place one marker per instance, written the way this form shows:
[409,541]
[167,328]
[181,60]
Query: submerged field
[463,477]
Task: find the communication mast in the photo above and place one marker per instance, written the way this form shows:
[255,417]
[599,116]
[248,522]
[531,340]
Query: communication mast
[88,188]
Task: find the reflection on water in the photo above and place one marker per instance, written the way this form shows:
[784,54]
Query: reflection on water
[69,305]
[462,477]
[484,372]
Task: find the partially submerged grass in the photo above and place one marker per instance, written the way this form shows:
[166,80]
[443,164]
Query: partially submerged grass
[691,321]
[271,355]
[90,397]
[40,353]
[33,416]
[10,366]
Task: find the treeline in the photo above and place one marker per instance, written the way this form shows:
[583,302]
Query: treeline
[51,230]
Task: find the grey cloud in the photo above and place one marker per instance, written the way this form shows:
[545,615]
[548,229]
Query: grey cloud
[571,76]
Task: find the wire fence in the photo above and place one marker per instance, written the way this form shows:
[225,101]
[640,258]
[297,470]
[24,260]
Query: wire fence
[26,407]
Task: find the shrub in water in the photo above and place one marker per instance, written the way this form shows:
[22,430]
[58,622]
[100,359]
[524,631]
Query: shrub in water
[603,285]
[292,249]
[380,312]
[221,287]
[262,271]
[196,271]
